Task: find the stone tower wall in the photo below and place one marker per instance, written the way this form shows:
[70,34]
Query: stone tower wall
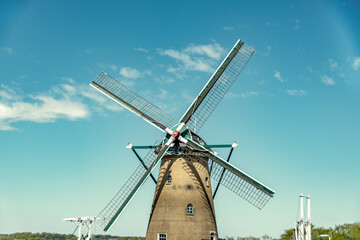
[190,184]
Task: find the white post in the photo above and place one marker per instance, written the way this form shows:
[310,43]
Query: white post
[301,224]
[296,232]
[79,233]
[308,231]
[88,237]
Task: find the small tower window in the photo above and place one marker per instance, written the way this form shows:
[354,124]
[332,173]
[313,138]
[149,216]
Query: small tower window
[212,235]
[207,181]
[168,181]
[161,236]
[190,209]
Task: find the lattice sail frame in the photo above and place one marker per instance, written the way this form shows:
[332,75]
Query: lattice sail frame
[223,79]
[239,186]
[118,200]
[249,192]
[132,101]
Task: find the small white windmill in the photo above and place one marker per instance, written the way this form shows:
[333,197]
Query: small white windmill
[87,221]
[302,229]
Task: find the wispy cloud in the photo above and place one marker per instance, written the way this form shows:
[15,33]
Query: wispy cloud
[277,75]
[141,49]
[64,101]
[241,95]
[333,64]
[188,97]
[195,57]
[356,63]
[297,24]
[89,50]
[268,49]
[249,94]
[8,50]
[327,80]
[132,73]
[129,72]
[270,24]
[163,94]
[293,92]
[228,28]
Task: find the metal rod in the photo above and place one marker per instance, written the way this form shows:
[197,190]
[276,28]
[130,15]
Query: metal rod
[301,225]
[308,230]
[222,174]
[142,162]
[144,147]
[219,146]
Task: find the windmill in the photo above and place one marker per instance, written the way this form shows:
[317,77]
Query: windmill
[83,221]
[183,205]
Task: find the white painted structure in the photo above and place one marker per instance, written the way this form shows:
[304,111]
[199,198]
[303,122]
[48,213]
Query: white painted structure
[302,229]
[87,221]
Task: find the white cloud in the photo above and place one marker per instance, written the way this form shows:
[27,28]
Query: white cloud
[277,75]
[333,64]
[42,108]
[210,50]
[8,50]
[297,24]
[129,72]
[268,49]
[188,98]
[230,95]
[195,57]
[113,67]
[296,92]
[141,49]
[327,80]
[128,83]
[228,28]
[7,93]
[89,51]
[270,24]
[163,94]
[249,94]
[356,63]
[310,69]
[64,101]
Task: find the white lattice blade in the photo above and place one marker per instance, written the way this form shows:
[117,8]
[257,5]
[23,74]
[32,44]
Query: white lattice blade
[122,95]
[117,205]
[217,86]
[253,185]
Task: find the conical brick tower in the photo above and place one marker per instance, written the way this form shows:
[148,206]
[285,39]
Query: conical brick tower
[183,205]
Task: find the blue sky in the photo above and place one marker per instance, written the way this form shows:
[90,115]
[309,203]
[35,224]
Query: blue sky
[294,110]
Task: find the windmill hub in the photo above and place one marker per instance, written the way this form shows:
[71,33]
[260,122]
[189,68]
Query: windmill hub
[175,134]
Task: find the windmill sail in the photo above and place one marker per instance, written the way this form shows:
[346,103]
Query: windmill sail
[241,187]
[132,101]
[236,180]
[218,85]
[114,208]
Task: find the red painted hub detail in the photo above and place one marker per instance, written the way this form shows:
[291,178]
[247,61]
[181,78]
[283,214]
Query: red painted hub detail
[175,134]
